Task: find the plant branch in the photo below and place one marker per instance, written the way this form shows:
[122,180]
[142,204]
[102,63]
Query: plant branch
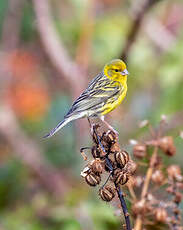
[55,48]
[118,189]
[149,173]
[136,27]
[124,207]
[139,220]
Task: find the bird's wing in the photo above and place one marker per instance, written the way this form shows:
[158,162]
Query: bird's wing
[95,96]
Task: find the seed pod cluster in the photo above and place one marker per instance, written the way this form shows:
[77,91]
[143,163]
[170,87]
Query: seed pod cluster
[108,158]
[156,208]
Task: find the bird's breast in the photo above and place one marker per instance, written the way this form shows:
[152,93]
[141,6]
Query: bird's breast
[115,101]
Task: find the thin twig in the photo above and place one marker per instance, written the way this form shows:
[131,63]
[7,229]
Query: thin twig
[124,207]
[121,197]
[138,222]
[132,192]
[175,224]
[107,179]
[136,27]
[118,189]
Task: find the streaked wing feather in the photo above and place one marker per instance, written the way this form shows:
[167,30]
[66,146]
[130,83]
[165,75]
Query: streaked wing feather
[95,96]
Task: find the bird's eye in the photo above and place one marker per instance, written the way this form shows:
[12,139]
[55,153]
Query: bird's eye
[116,70]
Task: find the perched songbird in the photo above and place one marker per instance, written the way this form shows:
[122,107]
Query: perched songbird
[103,94]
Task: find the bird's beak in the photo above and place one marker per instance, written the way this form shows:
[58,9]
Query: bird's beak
[125,72]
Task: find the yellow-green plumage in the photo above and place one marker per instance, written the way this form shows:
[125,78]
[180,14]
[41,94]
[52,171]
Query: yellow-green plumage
[103,94]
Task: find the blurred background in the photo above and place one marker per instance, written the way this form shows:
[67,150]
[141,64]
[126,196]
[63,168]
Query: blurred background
[49,51]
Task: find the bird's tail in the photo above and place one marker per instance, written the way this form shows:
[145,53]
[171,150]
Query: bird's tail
[59,126]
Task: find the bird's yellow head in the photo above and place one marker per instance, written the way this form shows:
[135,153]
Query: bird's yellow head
[116,70]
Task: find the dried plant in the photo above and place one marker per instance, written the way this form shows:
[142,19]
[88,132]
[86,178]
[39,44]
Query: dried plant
[153,190]
[108,158]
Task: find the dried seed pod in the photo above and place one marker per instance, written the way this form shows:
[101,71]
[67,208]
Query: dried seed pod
[167,145]
[139,150]
[98,151]
[92,179]
[95,152]
[115,148]
[161,215]
[178,197]
[176,211]
[122,158]
[158,177]
[179,185]
[179,178]
[96,166]
[130,167]
[170,189]
[174,172]
[85,171]
[137,181]
[140,207]
[151,198]
[107,193]
[110,137]
[120,177]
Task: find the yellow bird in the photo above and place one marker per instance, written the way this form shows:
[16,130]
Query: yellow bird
[103,94]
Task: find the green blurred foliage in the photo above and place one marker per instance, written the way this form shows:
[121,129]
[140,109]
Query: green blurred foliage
[28,27]
[12,180]
[3,8]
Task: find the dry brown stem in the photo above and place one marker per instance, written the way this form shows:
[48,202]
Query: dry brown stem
[11,25]
[55,49]
[139,220]
[136,27]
